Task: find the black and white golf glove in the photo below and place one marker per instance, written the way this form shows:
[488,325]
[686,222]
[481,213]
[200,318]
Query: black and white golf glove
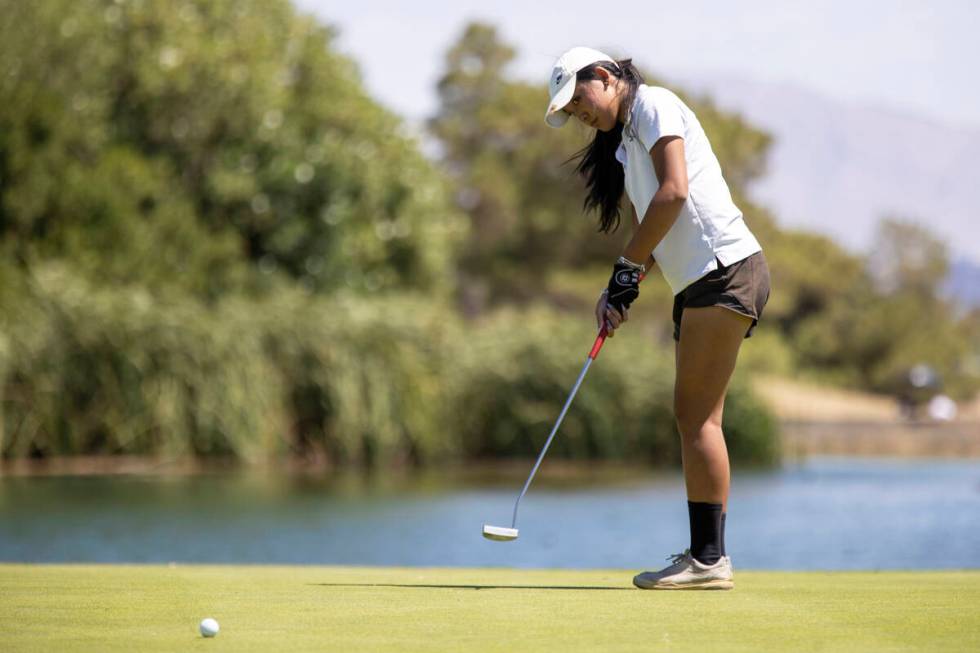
[624,284]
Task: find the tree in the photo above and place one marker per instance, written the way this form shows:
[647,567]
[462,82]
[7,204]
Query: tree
[519,199]
[907,258]
[236,119]
[876,326]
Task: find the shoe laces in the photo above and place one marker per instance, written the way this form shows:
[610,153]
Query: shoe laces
[679,557]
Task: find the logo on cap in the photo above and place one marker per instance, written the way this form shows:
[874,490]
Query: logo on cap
[558,77]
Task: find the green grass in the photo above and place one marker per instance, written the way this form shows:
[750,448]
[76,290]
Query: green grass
[146,608]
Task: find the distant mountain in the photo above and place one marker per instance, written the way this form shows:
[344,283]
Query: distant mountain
[963,283]
[837,167]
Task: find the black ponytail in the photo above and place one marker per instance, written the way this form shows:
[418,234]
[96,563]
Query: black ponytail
[603,174]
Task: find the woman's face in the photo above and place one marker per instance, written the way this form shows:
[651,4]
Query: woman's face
[595,103]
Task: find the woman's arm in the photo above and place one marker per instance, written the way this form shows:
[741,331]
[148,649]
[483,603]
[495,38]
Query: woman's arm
[671,168]
[668,163]
[636,225]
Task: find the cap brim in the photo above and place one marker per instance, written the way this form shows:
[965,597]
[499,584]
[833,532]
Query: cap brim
[555,117]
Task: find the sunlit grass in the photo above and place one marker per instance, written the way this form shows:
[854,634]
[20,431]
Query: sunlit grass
[127,608]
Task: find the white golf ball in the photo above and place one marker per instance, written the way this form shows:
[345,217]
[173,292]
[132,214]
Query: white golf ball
[209,627]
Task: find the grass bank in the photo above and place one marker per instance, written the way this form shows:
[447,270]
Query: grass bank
[147,608]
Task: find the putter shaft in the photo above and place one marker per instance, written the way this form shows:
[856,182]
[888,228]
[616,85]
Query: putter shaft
[568,402]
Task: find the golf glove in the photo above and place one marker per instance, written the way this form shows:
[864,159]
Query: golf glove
[624,284]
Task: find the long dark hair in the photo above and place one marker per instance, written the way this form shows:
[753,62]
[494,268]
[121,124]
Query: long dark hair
[603,174]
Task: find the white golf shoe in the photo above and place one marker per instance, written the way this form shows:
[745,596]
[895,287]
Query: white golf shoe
[686,573]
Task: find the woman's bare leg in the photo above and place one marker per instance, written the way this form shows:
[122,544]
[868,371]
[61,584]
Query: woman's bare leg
[706,354]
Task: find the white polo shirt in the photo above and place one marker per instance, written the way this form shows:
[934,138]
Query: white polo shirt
[709,225]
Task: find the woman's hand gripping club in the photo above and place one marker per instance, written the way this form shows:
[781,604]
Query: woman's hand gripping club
[612,309]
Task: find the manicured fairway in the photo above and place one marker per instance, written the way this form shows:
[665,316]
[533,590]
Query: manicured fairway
[144,608]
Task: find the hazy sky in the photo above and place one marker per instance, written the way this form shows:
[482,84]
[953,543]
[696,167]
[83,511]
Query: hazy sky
[915,57]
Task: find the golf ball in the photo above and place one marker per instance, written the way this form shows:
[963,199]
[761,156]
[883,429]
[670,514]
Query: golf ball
[209,627]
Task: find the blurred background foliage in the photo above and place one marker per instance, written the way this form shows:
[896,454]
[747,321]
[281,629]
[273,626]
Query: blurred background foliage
[214,242]
[226,137]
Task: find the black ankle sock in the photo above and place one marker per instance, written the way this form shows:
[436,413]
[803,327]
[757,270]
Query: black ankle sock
[724,551]
[705,521]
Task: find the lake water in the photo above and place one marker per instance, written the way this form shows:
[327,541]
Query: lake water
[823,513]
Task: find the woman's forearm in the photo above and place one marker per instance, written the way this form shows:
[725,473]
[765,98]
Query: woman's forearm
[659,218]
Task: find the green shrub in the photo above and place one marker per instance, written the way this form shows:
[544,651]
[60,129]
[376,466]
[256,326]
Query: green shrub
[751,431]
[517,369]
[363,379]
[352,381]
[116,370]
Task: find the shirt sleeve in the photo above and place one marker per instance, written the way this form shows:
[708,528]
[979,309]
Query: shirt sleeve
[658,116]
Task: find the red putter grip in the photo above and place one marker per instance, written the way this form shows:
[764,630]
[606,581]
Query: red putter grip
[599,340]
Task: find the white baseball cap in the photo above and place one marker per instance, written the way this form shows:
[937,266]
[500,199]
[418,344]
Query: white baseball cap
[561,84]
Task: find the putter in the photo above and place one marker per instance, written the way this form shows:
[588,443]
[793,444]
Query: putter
[502,533]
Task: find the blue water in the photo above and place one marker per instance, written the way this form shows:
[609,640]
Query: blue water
[825,513]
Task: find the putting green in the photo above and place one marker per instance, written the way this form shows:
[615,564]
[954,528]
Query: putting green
[147,608]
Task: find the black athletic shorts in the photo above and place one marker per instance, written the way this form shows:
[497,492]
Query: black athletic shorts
[742,287]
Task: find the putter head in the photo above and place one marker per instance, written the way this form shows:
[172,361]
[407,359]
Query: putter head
[499,533]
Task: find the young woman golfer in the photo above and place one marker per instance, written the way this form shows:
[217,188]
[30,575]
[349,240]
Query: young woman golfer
[650,143]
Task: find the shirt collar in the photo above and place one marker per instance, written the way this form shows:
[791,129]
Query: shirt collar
[621,154]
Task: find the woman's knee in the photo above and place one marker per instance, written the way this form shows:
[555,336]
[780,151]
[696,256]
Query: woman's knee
[694,424]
